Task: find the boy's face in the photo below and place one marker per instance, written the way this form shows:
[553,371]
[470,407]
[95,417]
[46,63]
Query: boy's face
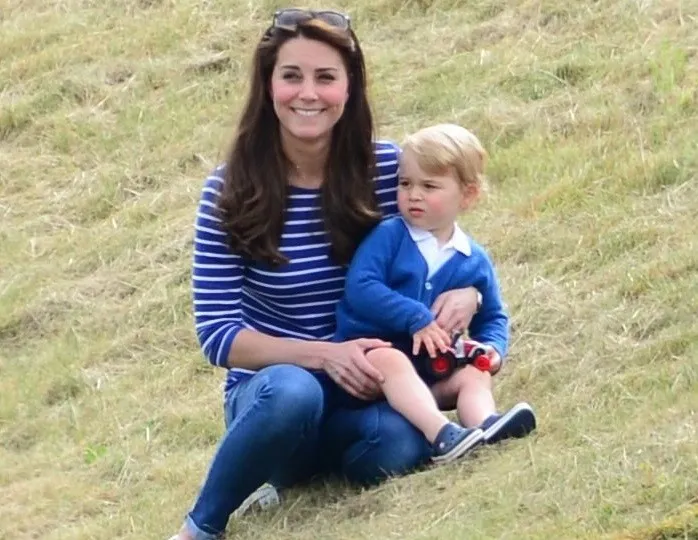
[428,201]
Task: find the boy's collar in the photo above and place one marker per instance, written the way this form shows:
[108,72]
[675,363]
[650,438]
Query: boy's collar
[459,240]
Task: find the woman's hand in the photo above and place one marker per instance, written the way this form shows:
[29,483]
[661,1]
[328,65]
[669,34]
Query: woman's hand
[495,359]
[346,364]
[434,339]
[454,309]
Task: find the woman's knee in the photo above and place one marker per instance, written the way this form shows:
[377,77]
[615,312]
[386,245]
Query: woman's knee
[291,392]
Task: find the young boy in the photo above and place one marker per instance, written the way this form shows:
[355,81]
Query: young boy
[398,272]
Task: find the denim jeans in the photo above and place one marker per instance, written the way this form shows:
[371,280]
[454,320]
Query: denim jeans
[284,425]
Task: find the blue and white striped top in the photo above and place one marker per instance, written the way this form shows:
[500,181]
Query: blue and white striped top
[296,300]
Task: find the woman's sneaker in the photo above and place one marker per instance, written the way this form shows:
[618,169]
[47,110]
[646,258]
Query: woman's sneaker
[263,498]
[517,422]
[454,441]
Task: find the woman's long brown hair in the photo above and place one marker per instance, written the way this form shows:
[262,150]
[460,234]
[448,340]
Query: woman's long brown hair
[253,198]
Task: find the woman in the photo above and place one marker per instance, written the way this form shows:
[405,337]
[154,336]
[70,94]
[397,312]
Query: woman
[277,225]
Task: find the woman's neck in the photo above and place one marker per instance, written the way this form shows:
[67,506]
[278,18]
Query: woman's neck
[308,161]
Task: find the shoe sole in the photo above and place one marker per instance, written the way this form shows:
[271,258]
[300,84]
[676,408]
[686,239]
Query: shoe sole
[519,419]
[462,448]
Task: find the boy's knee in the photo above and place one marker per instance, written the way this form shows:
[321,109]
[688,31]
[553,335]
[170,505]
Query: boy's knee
[471,379]
[389,360]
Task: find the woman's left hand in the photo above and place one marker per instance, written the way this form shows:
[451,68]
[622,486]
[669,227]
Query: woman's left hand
[495,359]
[454,309]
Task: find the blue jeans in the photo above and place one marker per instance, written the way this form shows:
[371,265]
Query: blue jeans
[286,424]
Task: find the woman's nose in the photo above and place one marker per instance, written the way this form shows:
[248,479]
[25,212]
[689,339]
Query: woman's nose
[308,91]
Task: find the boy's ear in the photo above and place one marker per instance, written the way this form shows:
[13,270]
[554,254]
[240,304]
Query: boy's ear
[469,195]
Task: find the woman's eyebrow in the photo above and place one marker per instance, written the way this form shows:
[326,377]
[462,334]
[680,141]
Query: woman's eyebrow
[298,68]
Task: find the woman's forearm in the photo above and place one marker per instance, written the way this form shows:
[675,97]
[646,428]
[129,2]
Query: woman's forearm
[255,350]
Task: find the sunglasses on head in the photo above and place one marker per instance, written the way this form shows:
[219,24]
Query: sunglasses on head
[294,16]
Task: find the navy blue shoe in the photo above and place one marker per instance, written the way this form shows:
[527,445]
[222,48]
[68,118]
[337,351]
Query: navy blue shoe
[454,441]
[517,422]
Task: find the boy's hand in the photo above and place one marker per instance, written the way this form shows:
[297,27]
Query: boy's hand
[433,337]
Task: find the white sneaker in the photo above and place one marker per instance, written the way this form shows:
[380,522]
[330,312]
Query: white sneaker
[263,498]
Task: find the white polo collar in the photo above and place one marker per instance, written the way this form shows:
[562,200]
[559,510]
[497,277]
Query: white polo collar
[459,240]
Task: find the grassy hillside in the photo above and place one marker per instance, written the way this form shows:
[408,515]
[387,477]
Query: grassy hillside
[113,112]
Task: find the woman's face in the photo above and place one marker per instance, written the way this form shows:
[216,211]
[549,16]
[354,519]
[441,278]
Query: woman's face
[309,88]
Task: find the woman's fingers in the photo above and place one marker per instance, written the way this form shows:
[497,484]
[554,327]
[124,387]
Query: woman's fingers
[350,368]
[362,362]
[372,343]
[448,319]
[357,386]
[454,309]
[365,368]
[438,305]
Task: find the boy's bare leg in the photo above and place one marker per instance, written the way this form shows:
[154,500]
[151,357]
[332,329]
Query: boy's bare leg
[468,390]
[406,392]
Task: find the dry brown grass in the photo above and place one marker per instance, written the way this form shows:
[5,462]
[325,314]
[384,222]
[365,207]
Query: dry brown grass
[111,114]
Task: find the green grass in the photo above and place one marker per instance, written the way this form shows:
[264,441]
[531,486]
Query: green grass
[111,115]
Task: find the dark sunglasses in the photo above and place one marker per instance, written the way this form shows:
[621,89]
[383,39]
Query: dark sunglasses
[294,16]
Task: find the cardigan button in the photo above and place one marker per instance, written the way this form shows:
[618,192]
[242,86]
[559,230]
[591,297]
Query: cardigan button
[428,286]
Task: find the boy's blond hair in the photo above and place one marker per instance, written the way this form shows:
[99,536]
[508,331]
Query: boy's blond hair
[444,146]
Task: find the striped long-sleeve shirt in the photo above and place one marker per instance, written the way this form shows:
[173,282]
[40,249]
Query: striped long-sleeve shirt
[296,300]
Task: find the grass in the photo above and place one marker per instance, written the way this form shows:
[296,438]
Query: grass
[111,115]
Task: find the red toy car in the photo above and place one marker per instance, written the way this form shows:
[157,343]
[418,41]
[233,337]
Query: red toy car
[464,352]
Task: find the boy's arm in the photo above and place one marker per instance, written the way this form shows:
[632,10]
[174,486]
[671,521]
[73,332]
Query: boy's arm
[490,325]
[366,291]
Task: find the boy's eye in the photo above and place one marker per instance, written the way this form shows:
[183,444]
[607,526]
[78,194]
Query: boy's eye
[404,183]
[430,186]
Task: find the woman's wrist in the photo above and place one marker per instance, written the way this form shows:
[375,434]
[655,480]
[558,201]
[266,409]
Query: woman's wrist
[255,350]
[313,354]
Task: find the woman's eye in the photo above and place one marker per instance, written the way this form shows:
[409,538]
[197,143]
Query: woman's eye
[290,76]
